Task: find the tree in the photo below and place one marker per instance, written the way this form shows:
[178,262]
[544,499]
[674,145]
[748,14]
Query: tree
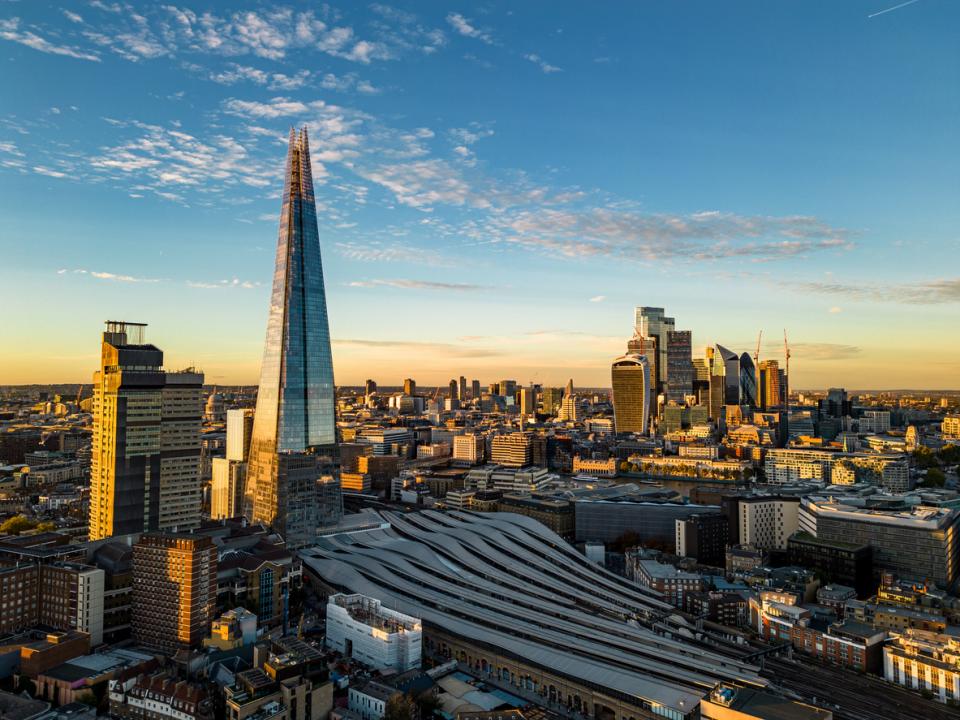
[624,466]
[16,525]
[46,526]
[427,705]
[924,458]
[400,707]
[935,478]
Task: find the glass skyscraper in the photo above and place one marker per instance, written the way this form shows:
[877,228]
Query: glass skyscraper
[295,417]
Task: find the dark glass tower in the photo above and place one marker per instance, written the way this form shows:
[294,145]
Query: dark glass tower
[295,416]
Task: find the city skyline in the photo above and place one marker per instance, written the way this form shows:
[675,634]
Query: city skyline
[465,191]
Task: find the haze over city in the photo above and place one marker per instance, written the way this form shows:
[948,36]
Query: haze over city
[497,186]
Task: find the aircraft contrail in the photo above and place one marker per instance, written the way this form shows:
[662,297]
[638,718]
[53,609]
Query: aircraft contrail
[891,9]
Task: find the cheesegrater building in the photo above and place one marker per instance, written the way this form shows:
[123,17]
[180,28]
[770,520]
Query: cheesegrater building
[294,423]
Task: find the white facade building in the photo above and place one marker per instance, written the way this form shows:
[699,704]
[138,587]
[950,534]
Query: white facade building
[359,627]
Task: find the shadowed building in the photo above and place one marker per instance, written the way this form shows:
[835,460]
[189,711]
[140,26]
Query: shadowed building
[294,423]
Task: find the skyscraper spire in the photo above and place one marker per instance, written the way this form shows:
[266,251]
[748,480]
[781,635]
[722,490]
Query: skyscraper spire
[295,403]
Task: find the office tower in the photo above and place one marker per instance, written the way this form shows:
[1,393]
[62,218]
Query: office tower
[369,388]
[507,388]
[769,384]
[748,381]
[409,386]
[652,322]
[462,390]
[568,406]
[528,400]
[239,430]
[836,404]
[512,450]
[174,590]
[717,392]
[453,389]
[550,400]
[679,365]
[701,380]
[731,368]
[475,390]
[648,346]
[295,419]
[469,448]
[145,454]
[630,377]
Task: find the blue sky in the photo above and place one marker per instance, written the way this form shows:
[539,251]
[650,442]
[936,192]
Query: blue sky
[499,184]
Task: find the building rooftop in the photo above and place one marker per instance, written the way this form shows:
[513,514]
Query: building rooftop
[506,581]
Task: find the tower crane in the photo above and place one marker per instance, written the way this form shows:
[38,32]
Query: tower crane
[786,374]
[756,355]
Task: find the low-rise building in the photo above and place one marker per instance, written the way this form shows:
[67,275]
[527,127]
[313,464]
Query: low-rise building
[369,700]
[158,697]
[674,584]
[778,617]
[361,628]
[923,660]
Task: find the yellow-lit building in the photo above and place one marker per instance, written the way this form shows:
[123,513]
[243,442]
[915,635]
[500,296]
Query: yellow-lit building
[145,464]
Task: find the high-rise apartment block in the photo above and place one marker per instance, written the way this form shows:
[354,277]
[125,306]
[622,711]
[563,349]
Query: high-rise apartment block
[630,378]
[294,424]
[145,455]
[174,590]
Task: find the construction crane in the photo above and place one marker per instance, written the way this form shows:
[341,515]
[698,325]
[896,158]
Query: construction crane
[786,373]
[79,394]
[756,355]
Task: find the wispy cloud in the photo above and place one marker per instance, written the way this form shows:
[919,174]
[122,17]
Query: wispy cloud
[10,30]
[542,64]
[392,252]
[102,275]
[417,285]
[598,298]
[466,28]
[224,284]
[935,291]
[434,348]
[614,232]
[41,170]
[814,352]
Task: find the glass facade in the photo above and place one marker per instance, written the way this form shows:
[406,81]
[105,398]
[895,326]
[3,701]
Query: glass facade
[295,404]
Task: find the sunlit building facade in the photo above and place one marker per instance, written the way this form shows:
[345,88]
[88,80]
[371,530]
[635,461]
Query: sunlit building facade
[294,423]
[145,454]
[630,379]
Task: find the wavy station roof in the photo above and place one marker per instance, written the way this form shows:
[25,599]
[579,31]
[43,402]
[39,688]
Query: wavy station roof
[506,581]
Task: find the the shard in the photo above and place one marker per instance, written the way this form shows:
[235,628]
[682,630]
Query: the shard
[294,423]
